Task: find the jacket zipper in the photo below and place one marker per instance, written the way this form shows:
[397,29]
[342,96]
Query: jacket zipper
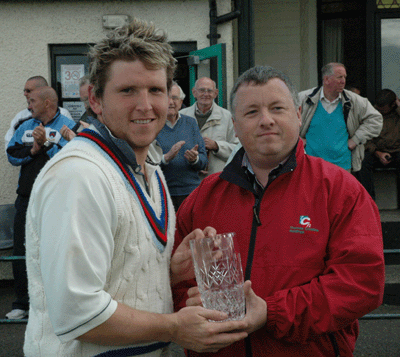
[256,223]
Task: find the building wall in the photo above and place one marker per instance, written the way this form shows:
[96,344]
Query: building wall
[28,27]
[286,38]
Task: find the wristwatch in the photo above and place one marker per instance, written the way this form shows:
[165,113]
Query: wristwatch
[47,144]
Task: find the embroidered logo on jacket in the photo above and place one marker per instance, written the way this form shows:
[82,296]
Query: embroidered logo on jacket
[305,225]
[52,134]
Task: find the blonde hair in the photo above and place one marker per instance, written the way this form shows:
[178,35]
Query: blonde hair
[137,41]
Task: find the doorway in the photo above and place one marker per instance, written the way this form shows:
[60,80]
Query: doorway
[69,63]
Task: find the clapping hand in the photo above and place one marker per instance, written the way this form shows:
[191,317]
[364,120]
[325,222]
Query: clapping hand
[39,138]
[192,154]
[174,151]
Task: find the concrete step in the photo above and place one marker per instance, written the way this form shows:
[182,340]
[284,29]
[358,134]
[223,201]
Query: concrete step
[390,215]
[386,189]
[392,274]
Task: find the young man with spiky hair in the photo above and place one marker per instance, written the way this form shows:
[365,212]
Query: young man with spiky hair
[99,244]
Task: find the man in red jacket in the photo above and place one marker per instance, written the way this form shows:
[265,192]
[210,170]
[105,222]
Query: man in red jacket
[308,233]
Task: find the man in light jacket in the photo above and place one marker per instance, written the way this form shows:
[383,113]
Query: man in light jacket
[337,122]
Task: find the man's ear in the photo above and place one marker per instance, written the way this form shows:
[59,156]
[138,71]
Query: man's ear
[194,92]
[216,93]
[95,103]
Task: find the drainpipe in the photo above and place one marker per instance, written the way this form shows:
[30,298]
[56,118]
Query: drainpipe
[217,20]
[213,35]
[245,35]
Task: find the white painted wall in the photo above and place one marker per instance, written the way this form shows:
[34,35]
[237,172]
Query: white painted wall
[286,38]
[27,28]
[308,40]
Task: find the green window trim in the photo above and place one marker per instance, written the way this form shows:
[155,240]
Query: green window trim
[218,51]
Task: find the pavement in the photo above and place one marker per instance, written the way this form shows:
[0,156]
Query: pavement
[378,338]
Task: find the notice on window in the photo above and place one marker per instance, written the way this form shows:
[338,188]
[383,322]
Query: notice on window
[70,75]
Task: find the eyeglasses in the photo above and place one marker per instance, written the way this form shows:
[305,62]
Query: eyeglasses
[205,90]
[175,99]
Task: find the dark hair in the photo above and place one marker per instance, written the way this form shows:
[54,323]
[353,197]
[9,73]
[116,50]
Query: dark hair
[385,97]
[39,81]
[260,75]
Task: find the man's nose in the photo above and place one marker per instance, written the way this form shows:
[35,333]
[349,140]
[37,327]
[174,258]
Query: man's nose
[266,117]
[144,102]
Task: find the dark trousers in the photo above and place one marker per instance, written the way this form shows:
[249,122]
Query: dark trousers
[19,266]
[366,174]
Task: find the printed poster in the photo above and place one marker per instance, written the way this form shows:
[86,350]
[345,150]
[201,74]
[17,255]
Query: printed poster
[70,75]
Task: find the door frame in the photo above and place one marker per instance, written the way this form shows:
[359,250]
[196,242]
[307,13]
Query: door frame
[217,52]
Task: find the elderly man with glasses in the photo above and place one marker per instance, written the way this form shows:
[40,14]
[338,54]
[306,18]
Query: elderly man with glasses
[215,124]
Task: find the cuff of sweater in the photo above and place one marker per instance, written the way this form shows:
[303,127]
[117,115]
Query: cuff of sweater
[356,140]
[163,161]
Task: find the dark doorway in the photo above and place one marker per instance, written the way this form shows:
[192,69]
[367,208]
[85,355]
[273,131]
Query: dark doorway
[342,38]
[181,53]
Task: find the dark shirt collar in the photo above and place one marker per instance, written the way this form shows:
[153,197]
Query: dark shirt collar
[287,165]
